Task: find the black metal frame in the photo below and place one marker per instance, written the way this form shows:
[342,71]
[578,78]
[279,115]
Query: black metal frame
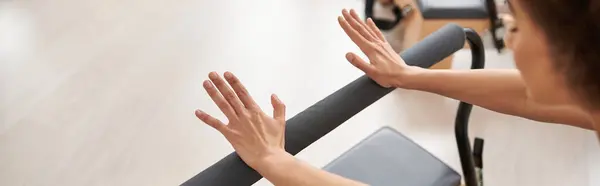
[495,25]
[464,111]
[399,13]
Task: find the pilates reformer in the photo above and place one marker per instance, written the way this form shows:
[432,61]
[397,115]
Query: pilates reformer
[386,157]
[422,17]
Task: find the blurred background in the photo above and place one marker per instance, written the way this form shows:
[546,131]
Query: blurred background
[103,93]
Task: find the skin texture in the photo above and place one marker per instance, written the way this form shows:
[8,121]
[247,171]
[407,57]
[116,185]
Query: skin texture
[545,84]
[258,138]
[251,132]
[535,90]
[546,100]
[532,58]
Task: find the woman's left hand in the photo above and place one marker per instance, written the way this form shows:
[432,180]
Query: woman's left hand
[254,135]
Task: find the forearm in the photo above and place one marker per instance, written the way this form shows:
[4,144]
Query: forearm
[283,169]
[499,90]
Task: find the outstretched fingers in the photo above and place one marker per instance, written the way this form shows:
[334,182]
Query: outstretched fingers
[241,91]
[356,25]
[359,63]
[374,28]
[211,121]
[219,100]
[357,38]
[229,95]
[278,108]
[357,19]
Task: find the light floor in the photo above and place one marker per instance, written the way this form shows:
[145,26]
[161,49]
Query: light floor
[103,93]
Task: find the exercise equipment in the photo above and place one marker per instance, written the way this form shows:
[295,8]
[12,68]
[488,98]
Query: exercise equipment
[383,24]
[478,14]
[387,158]
[324,116]
[430,15]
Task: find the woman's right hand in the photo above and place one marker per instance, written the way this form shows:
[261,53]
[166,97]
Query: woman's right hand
[254,135]
[385,67]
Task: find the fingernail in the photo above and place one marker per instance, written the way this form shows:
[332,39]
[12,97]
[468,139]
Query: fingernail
[198,113]
[213,75]
[228,75]
[207,84]
[349,57]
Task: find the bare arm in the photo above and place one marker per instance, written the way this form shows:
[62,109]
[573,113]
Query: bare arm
[498,90]
[258,138]
[284,169]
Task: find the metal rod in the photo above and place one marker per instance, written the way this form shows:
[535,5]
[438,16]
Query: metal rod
[464,111]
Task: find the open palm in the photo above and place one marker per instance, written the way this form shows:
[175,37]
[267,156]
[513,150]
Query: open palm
[385,67]
[253,134]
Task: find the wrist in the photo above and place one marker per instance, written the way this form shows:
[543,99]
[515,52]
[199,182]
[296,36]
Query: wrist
[271,160]
[409,77]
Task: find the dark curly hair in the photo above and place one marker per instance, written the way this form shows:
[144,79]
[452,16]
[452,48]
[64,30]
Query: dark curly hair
[572,28]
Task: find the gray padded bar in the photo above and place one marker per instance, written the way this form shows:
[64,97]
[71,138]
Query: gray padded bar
[324,116]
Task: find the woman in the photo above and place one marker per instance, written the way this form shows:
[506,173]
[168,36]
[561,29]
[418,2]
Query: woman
[556,46]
